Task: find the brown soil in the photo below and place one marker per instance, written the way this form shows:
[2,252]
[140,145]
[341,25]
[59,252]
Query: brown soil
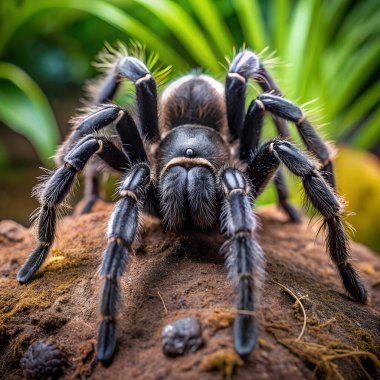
[175,276]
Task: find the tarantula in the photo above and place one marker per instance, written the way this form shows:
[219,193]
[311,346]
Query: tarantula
[199,163]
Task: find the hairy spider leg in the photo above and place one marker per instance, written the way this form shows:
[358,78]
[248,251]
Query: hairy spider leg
[250,138]
[322,197]
[289,111]
[283,196]
[56,189]
[244,257]
[235,92]
[122,230]
[146,96]
[268,85]
[247,127]
[132,143]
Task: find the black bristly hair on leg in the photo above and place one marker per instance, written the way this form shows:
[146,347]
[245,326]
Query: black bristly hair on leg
[98,119]
[320,195]
[84,126]
[133,69]
[249,142]
[131,140]
[54,192]
[283,196]
[146,96]
[251,132]
[314,144]
[244,257]
[268,85]
[242,67]
[248,128]
[122,231]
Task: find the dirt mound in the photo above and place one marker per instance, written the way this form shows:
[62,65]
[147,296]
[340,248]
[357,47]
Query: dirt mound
[175,276]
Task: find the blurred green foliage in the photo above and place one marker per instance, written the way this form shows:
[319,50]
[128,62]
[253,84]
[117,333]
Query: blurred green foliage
[327,55]
[359,181]
[24,107]
[329,51]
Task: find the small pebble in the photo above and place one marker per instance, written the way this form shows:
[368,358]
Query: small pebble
[182,336]
[43,361]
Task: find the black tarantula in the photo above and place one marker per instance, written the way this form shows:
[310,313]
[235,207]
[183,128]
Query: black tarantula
[198,163]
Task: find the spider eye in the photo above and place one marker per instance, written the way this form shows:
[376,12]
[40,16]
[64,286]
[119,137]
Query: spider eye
[189,152]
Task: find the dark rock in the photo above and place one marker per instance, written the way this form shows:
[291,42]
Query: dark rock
[182,336]
[43,361]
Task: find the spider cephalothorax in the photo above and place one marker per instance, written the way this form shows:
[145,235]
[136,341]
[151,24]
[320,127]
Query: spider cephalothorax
[198,164]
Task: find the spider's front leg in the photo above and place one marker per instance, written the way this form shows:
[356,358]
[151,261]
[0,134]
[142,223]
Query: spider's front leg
[264,165]
[246,65]
[122,230]
[287,110]
[146,95]
[56,189]
[249,142]
[136,71]
[247,127]
[244,257]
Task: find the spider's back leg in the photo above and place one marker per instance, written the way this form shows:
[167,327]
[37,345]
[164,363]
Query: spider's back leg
[287,110]
[322,197]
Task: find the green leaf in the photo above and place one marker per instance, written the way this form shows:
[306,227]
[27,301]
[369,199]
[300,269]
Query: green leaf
[252,23]
[25,109]
[361,107]
[212,21]
[100,9]
[366,63]
[185,29]
[369,133]
[280,26]
[298,40]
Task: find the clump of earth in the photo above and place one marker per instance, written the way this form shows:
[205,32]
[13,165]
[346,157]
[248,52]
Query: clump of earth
[175,276]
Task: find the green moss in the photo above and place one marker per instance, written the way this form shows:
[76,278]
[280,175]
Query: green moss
[224,361]
[40,293]
[219,318]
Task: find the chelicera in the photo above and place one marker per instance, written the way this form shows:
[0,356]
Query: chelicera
[193,158]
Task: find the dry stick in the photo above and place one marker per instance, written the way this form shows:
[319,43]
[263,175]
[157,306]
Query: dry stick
[362,368]
[162,300]
[368,354]
[344,353]
[337,373]
[327,323]
[298,300]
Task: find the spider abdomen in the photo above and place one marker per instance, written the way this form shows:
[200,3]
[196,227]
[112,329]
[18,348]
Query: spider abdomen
[194,99]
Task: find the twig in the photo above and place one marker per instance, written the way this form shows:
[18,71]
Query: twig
[369,355]
[163,302]
[369,377]
[298,300]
